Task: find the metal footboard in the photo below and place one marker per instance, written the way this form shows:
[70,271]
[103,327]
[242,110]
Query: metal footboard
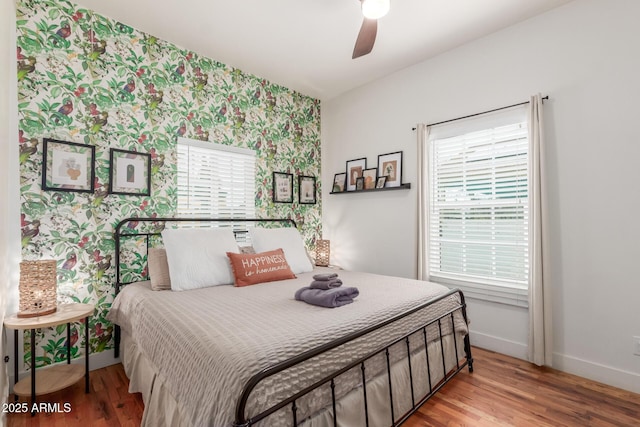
[243,421]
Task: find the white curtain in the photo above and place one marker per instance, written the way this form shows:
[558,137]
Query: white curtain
[423,201]
[540,332]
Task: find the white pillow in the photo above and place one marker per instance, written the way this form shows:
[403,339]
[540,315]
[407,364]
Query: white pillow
[289,239]
[197,257]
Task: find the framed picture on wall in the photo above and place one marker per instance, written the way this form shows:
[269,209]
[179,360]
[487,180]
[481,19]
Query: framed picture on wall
[130,173]
[306,189]
[360,183]
[381,181]
[339,182]
[355,168]
[370,178]
[68,166]
[390,165]
[282,187]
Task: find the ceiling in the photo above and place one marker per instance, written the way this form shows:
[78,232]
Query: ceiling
[306,45]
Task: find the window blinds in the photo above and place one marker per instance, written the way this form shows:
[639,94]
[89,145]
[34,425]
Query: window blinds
[479,210]
[215,181]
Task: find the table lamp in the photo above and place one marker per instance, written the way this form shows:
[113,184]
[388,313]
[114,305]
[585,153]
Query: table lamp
[38,288]
[322,253]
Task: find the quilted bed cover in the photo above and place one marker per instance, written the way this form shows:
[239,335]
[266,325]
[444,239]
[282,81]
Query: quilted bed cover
[206,343]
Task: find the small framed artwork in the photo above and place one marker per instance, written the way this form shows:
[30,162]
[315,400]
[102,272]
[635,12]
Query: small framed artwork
[282,187]
[355,168]
[390,164]
[360,183]
[339,182]
[370,178]
[381,181]
[130,173]
[68,166]
[307,189]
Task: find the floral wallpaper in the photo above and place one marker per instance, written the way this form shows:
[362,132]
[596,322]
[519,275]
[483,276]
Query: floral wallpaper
[88,79]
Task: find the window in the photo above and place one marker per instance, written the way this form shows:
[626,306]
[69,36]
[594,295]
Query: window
[478,231]
[215,181]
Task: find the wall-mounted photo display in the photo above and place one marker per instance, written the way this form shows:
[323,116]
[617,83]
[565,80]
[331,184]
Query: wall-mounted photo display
[360,183]
[307,189]
[68,166]
[370,178]
[355,168]
[339,182]
[130,173]
[390,165]
[282,187]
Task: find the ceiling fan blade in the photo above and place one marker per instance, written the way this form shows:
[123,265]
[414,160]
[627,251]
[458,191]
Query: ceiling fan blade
[366,38]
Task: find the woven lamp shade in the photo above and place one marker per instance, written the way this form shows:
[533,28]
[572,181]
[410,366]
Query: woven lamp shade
[322,253]
[38,288]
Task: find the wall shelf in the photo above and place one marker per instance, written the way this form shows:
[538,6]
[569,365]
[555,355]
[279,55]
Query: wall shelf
[371,190]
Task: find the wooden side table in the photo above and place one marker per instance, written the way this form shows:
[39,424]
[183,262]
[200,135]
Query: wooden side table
[56,377]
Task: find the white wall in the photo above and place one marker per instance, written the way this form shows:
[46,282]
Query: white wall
[9,183]
[5,12]
[584,55]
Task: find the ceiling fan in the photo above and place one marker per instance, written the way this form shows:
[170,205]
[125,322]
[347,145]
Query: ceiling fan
[372,11]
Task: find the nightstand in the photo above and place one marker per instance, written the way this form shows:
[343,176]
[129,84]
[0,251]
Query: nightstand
[56,377]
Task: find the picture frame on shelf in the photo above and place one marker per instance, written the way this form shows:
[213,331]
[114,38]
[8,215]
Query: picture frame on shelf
[339,182]
[360,183]
[129,173]
[282,187]
[390,165]
[355,168]
[307,190]
[68,166]
[381,181]
[370,176]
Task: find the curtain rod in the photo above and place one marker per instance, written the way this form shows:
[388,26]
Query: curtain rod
[484,112]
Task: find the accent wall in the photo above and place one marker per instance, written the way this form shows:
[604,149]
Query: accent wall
[86,78]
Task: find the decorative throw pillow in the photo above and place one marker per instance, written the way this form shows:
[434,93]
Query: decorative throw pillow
[158,269]
[289,239]
[251,269]
[197,257]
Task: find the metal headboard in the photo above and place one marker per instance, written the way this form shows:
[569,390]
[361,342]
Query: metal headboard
[124,231]
[160,224]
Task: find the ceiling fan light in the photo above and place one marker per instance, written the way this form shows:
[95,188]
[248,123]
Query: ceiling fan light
[375,9]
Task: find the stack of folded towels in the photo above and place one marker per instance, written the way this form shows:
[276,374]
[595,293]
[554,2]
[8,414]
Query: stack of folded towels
[326,291]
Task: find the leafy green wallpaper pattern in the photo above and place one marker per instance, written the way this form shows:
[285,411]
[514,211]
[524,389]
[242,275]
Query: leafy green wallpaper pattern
[86,78]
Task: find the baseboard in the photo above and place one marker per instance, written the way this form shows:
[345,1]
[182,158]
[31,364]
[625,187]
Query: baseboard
[96,361]
[572,365]
[594,371]
[499,345]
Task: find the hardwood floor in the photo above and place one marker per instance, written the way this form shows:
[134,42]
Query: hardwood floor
[109,403]
[502,391]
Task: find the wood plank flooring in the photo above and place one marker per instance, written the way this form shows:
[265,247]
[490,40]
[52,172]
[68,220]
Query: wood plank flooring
[502,391]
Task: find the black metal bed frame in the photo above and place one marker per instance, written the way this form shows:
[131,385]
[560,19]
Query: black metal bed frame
[241,418]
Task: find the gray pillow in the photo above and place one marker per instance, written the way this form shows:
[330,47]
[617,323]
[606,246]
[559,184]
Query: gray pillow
[159,269]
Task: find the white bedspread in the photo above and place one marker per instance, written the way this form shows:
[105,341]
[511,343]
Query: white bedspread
[207,343]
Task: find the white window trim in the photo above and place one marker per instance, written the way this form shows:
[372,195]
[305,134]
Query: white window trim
[185,142]
[495,290]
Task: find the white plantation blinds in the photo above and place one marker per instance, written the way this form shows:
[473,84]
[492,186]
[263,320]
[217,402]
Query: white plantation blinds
[479,208]
[215,181]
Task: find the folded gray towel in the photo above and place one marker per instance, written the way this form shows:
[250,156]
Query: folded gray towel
[326,284]
[330,298]
[325,276]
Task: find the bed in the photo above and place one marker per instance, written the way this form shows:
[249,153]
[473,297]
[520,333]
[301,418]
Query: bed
[253,355]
